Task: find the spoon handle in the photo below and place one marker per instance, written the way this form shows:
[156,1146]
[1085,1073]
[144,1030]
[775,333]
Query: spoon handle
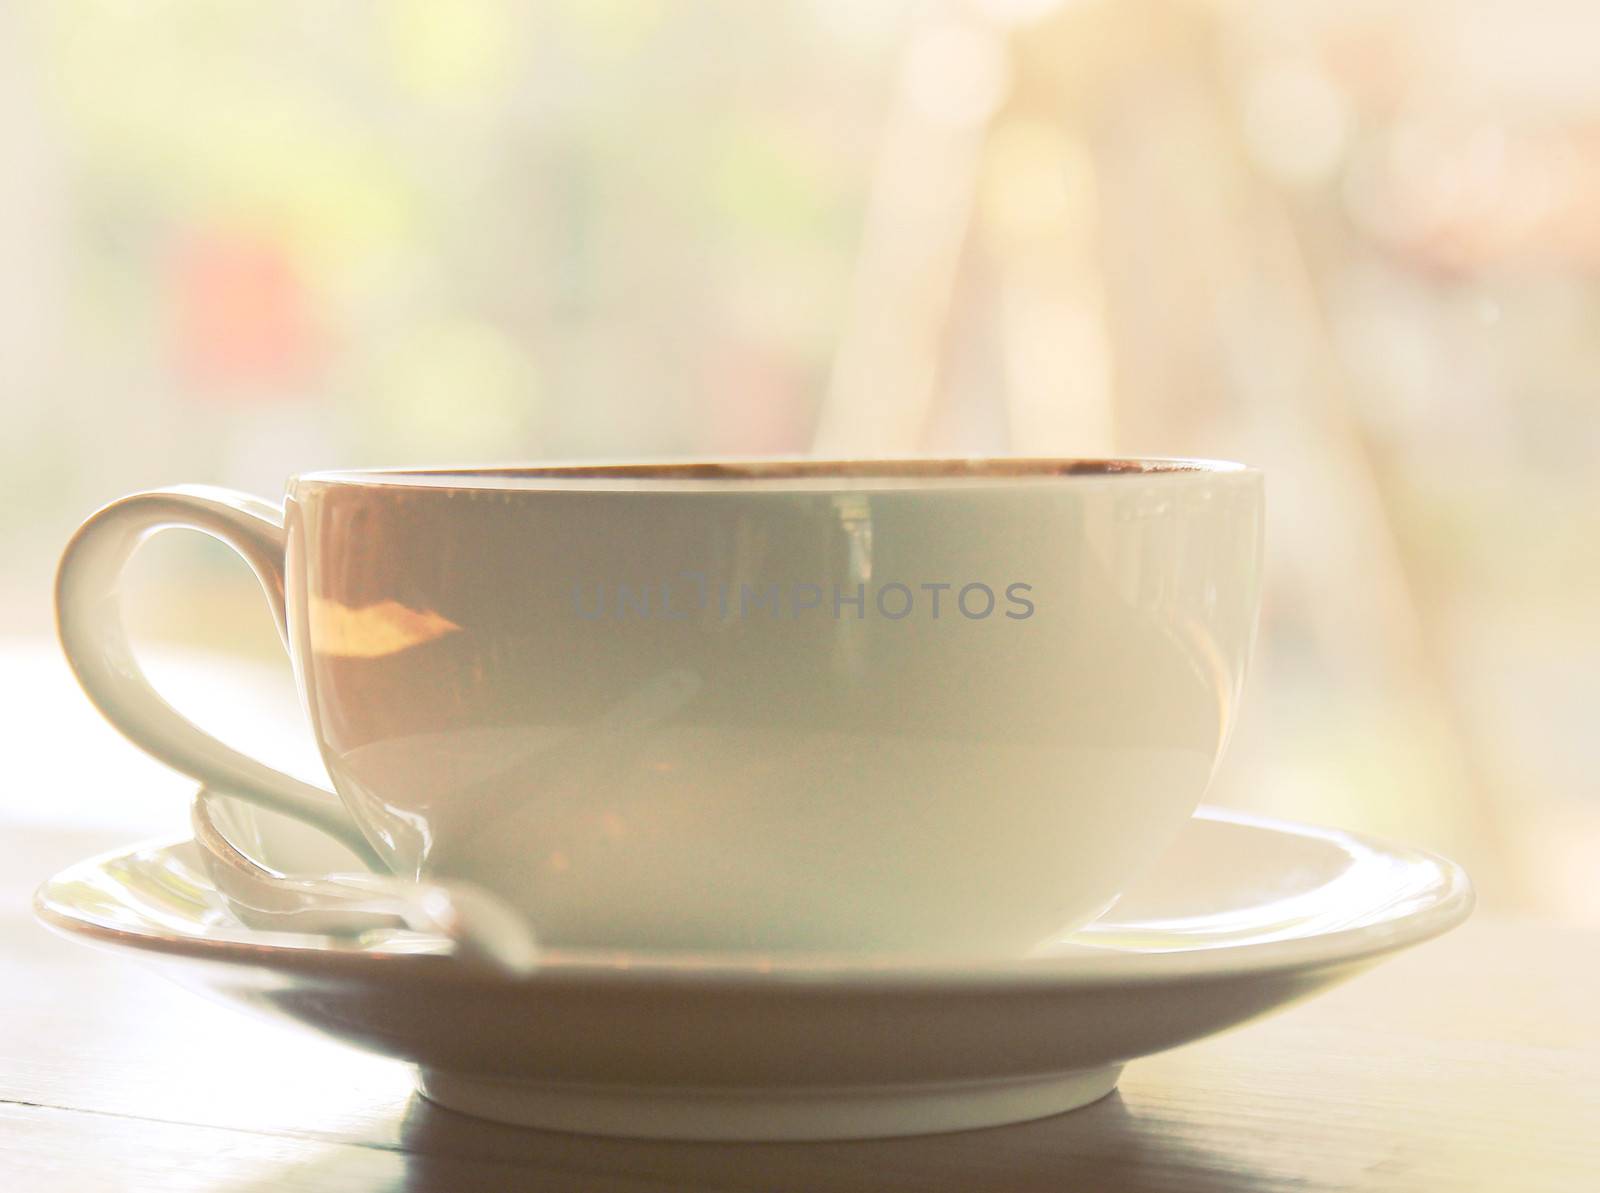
[479,926]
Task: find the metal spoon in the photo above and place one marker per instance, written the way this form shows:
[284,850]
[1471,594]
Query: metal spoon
[334,901]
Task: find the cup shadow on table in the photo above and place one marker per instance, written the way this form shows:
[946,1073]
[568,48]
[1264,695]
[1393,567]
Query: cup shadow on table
[1106,1147]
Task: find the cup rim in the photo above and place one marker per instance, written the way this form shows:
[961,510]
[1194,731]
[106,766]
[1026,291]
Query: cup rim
[780,472]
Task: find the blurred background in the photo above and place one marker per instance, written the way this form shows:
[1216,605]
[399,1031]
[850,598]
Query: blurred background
[1355,243]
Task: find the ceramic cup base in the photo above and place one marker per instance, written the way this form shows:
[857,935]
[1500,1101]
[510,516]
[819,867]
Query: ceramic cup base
[749,1114]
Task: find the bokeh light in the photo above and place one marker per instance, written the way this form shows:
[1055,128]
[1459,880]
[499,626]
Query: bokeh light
[1353,242]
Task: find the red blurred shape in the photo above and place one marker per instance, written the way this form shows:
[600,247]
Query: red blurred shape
[242,320]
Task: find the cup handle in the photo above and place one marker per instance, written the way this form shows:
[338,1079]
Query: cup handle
[89,621]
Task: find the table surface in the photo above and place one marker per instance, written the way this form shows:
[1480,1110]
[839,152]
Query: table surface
[1471,1063]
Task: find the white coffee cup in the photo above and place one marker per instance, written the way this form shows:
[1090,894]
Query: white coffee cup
[943,707]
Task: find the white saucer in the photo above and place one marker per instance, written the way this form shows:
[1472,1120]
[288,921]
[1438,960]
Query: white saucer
[1241,917]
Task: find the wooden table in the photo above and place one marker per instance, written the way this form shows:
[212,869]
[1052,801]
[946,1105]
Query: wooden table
[1472,1063]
